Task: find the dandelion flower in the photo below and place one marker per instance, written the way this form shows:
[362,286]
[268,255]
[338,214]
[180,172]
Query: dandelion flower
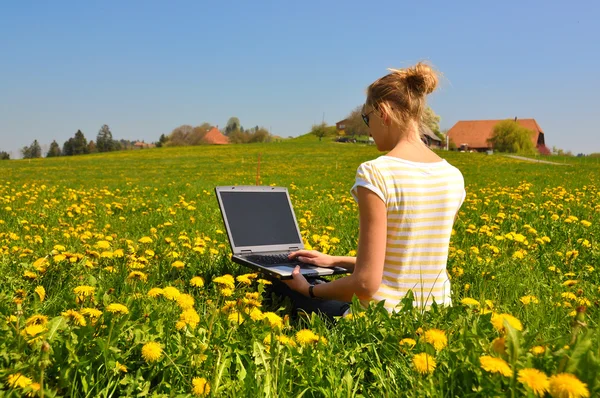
[498,322]
[306,336]
[75,317]
[226,292]
[570,282]
[197,281]
[566,385]
[17,380]
[263,282]
[225,280]
[273,320]
[235,316]
[145,239]
[424,363]
[41,292]
[151,351]
[408,342]
[246,279]
[534,380]
[116,308]
[185,301]
[171,293]
[190,317]
[34,330]
[29,275]
[437,338]
[256,314]
[538,350]
[91,312]
[526,300]
[84,291]
[102,244]
[139,275]
[495,365]
[37,320]
[471,302]
[155,292]
[201,387]
[178,265]
[120,367]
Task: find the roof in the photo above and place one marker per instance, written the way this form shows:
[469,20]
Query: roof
[475,133]
[215,137]
[426,131]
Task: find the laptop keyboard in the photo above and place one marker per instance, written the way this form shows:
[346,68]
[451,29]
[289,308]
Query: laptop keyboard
[271,259]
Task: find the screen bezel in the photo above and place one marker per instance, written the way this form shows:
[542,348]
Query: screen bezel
[261,248]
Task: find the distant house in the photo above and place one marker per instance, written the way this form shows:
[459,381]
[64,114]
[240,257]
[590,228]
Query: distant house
[341,125]
[474,134]
[429,138]
[215,137]
[142,145]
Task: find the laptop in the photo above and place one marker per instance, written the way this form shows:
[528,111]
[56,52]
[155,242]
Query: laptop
[263,230]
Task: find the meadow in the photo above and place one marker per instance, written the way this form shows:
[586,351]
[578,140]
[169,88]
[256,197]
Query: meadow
[118,282]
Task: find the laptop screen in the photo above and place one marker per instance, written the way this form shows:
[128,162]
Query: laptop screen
[260,218]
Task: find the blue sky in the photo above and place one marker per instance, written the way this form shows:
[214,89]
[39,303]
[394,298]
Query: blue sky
[146,67]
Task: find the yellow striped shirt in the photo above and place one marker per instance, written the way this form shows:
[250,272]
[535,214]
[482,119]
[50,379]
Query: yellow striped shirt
[421,200]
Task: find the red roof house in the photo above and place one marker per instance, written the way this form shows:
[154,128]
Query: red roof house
[475,134]
[215,137]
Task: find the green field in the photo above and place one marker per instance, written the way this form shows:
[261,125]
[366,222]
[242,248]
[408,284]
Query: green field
[114,281]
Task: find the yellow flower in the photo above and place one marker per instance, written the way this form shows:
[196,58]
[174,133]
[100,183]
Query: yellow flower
[17,380]
[225,280]
[538,350]
[566,385]
[235,316]
[75,316]
[91,312]
[437,338]
[185,301]
[424,363]
[201,386]
[306,336]
[495,365]
[408,342]
[138,275]
[102,244]
[245,279]
[155,292]
[33,330]
[171,293]
[190,317]
[263,282]
[255,314]
[273,319]
[498,322]
[226,292]
[145,239]
[526,300]
[534,380]
[84,291]
[178,264]
[197,281]
[120,367]
[116,308]
[41,292]
[470,302]
[151,351]
[29,275]
[40,264]
[37,320]
[570,282]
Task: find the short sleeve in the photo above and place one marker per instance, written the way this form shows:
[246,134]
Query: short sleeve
[368,176]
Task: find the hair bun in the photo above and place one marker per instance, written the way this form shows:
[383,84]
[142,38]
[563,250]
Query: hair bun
[420,79]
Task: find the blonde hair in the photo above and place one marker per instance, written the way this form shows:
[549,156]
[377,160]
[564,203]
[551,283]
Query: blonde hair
[401,93]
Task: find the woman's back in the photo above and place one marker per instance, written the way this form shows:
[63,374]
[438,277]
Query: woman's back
[421,200]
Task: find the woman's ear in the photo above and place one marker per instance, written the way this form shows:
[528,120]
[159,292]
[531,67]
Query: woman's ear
[385,118]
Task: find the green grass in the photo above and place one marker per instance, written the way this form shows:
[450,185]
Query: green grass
[519,233]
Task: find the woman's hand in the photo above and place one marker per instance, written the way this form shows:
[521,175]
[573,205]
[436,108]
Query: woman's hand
[298,282]
[313,257]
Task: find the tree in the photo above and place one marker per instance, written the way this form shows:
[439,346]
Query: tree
[509,136]
[431,120]
[54,150]
[162,141]
[355,124]
[80,145]
[68,147]
[92,148]
[320,130]
[33,151]
[233,124]
[104,139]
[4,156]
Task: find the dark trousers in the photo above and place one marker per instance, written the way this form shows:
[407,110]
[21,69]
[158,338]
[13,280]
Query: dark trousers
[327,308]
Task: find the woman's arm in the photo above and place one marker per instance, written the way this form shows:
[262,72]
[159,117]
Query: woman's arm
[368,269]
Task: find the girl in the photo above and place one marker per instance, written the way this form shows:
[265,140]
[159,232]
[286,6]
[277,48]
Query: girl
[407,201]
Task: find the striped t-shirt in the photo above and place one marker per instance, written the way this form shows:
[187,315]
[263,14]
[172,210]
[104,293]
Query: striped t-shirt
[421,200]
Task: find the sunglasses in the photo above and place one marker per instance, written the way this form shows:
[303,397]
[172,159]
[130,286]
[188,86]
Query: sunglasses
[365,116]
